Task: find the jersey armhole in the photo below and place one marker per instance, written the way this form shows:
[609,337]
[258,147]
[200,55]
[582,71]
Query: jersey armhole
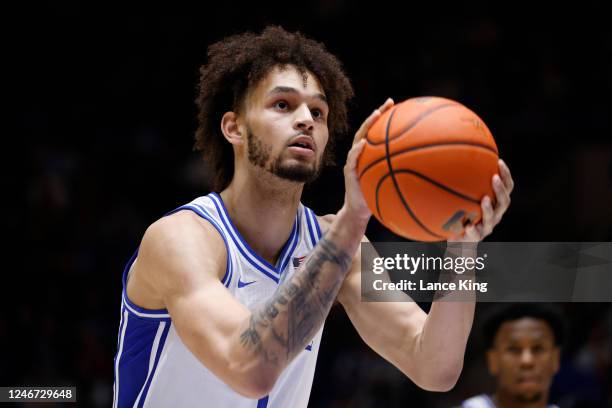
[134,309]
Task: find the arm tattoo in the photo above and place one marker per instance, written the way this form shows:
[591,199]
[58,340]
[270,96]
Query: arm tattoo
[281,328]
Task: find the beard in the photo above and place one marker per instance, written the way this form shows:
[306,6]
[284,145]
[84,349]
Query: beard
[259,154]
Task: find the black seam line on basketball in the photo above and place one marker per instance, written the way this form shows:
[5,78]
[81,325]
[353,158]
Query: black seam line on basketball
[414,122]
[437,184]
[427,146]
[399,193]
[380,182]
[387,157]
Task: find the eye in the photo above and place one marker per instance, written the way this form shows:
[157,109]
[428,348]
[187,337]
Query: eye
[317,113]
[281,105]
[513,349]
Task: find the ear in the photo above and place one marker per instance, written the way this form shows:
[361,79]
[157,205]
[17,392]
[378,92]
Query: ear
[231,128]
[492,362]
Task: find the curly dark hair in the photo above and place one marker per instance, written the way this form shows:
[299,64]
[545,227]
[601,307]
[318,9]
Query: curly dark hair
[237,64]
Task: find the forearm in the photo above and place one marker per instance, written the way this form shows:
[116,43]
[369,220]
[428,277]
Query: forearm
[279,329]
[443,339]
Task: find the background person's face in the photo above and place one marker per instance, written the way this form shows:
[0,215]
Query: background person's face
[524,359]
[286,125]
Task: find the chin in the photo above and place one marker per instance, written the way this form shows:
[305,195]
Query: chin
[301,173]
[529,397]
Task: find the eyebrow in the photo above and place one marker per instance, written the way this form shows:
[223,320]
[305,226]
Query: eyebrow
[288,89]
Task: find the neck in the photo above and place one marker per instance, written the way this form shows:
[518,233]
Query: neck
[263,208]
[505,400]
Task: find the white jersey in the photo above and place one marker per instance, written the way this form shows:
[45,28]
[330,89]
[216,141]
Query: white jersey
[153,368]
[484,401]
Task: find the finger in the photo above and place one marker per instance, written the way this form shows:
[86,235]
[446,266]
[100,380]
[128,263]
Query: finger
[356,150]
[472,233]
[353,155]
[365,126]
[388,103]
[487,216]
[506,177]
[502,195]
[479,229]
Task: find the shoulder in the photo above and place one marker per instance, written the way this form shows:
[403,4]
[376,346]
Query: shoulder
[183,229]
[181,241]
[177,253]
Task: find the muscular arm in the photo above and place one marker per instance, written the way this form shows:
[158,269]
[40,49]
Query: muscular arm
[181,259]
[427,347]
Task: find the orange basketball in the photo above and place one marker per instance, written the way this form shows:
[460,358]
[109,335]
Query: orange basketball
[426,166]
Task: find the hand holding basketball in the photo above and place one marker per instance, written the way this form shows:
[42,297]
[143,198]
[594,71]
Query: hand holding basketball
[354,197]
[503,186]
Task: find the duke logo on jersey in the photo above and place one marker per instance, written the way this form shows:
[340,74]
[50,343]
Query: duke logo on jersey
[153,368]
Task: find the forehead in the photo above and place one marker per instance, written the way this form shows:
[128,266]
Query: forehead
[525,329]
[289,76]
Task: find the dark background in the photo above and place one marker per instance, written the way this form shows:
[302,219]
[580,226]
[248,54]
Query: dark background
[102,147]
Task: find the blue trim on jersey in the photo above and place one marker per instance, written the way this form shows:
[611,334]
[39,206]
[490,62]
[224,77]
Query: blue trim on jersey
[263,402]
[202,212]
[120,327]
[236,236]
[251,256]
[133,365]
[290,246]
[313,241]
[155,314]
[160,347]
[255,264]
[122,323]
[316,223]
[285,262]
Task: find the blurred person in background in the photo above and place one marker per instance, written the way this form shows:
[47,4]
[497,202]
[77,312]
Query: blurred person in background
[523,344]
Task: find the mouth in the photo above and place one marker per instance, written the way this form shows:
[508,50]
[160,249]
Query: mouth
[528,380]
[303,142]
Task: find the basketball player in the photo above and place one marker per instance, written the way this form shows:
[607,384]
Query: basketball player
[225,300]
[523,350]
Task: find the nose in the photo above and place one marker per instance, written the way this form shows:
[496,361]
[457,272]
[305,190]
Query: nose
[527,357]
[303,119]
